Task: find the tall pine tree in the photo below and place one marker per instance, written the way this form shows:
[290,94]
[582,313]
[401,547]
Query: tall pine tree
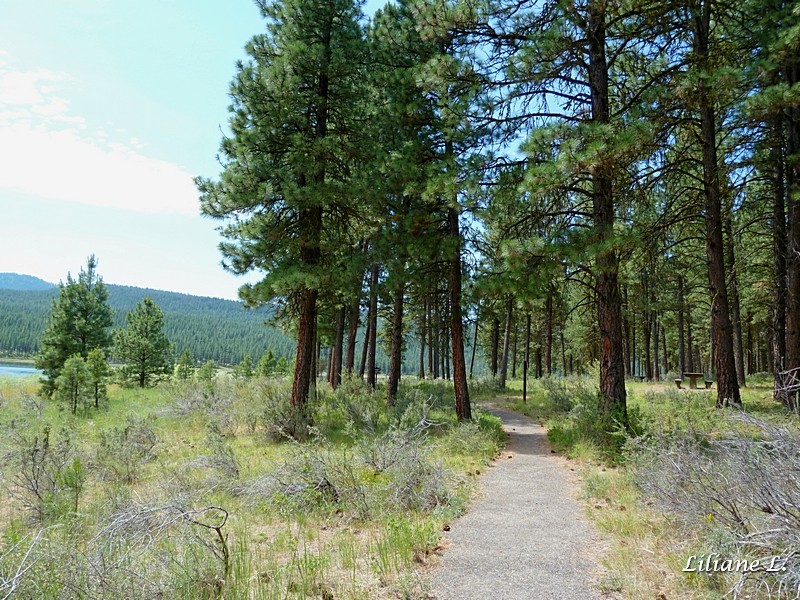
[286,189]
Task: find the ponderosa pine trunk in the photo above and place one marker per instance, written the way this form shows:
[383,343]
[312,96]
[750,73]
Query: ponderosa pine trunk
[514,353]
[779,291]
[626,330]
[310,227]
[733,288]
[373,326]
[431,343]
[495,344]
[793,222]
[548,333]
[474,345]
[647,332]
[721,328]
[506,341]
[354,316]
[396,352]
[656,339]
[338,348]
[681,341]
[461,391]
[527,360]
[306,347]
[613,398]
[422,337]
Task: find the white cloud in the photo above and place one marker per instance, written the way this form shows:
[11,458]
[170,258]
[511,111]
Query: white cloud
[48,152]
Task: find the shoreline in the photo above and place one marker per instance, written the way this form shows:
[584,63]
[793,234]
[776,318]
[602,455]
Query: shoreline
[22,362]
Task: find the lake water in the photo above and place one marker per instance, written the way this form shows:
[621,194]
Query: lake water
[17,370]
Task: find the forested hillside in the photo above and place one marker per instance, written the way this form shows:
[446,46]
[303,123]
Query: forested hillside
[212,328]
[221,330]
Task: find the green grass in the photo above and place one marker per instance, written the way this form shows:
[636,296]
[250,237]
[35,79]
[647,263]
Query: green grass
[366,540]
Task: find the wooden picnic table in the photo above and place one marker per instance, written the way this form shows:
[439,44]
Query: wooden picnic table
[693,377]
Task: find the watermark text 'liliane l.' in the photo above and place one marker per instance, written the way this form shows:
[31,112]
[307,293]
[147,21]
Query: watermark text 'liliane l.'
[715,563]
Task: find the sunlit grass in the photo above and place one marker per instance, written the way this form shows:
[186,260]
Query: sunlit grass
[276,550]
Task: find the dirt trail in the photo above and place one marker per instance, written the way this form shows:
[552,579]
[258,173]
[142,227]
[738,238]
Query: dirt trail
[525,537]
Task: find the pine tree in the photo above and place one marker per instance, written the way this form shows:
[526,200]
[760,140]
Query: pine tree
[286,187]
[97,371]
[185,367]
[142,346]
[244,370]
[72,385]
[79,322]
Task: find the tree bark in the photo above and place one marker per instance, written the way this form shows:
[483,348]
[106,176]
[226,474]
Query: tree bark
[626,329]
[338,348]
[689,342]
[609,302]
[306,346]
[793,223]
[656,340]
[736,319]
[495,344]
[506,341]
[647,332]
[463,408]
[527,360]
[779,279]
[722,332]
[474,345]
[422,332]
[514,354]
[373,326]
[396,353]
[548,334]
[362,368]
[681,341]
[352,336]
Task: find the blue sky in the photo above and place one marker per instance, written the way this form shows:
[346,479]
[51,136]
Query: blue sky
[108,109]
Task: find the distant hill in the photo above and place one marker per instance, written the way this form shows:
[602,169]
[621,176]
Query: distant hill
[212,328]
[15,281]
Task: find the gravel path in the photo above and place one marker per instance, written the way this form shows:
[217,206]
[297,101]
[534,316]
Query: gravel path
[525,537]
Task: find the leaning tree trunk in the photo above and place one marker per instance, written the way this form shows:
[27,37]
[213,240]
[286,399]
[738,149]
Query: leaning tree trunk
[609,302]
[722,331]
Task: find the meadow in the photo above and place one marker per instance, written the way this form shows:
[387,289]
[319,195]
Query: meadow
[193,490]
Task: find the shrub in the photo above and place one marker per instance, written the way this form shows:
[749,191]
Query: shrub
[121,451]
[744,487]
[44,470]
